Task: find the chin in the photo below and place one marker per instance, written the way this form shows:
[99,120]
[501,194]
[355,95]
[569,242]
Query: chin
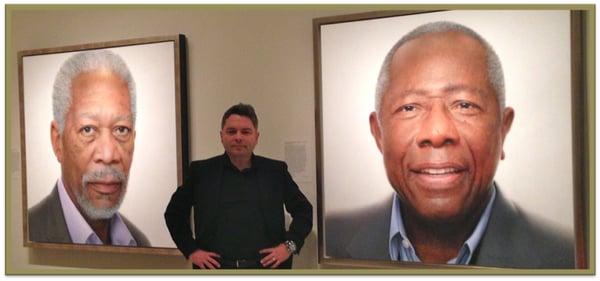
[441,212]
[444,217]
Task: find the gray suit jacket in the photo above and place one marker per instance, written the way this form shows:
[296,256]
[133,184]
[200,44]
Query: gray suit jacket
[46,223]
[512,239]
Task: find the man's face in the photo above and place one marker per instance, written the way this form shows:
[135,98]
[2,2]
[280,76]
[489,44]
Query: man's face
[238,136]
[441,129]
[96,147]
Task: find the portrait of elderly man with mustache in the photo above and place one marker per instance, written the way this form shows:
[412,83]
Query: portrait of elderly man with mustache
[440,122]
[92,136]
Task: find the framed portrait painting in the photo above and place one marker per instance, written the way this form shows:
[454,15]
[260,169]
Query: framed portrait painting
[363,198]
[104,138]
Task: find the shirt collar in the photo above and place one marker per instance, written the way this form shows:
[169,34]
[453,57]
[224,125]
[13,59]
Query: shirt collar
[398,237]
[227,163]
[81,232]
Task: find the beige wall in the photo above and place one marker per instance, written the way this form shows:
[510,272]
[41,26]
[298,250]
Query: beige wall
[259,55]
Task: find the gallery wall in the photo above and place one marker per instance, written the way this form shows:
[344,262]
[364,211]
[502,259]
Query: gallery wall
[262,55]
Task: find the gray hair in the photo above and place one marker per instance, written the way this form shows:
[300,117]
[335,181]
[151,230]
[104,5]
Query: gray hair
[85,62]
[494,68]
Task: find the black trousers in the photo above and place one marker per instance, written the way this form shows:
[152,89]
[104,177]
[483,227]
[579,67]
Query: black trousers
[248,264]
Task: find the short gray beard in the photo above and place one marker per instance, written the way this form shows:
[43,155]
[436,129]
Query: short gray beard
[85,203]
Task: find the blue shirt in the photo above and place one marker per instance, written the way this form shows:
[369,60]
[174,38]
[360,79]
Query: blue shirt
[401,249]
[81,232]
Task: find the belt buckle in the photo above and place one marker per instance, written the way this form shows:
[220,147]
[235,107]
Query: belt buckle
[240,263]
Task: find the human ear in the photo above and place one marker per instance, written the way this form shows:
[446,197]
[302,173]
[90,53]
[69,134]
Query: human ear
[507,118]
[375,129]
[55,137]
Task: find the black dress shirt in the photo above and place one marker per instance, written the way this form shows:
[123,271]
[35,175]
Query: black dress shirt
[240,231]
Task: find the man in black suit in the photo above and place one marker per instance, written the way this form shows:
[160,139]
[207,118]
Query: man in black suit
[238,201]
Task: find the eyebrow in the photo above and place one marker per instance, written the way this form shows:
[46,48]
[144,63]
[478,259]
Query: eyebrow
[452,88]
[448,89]
[95,116]
[241,129]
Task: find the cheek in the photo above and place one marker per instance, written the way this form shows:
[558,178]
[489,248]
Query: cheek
[397,138]
[126,150]
[396,144]
[485,146]
[78,152]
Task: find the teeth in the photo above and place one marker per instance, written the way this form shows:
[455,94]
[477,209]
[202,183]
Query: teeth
[439,171]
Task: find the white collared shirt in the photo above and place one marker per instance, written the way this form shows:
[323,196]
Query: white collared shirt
[81,232]
[401,249]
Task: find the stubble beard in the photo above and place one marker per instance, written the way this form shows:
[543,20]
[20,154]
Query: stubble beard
[86,204]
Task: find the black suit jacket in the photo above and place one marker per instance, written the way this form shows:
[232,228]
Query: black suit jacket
[201,190]
[46,223]
[512,239]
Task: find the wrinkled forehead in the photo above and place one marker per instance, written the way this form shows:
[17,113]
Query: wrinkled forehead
[102,75]
[448,45]
[101,90]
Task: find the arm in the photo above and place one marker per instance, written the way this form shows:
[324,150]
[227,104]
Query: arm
[299,208]
[177,217]
[301,211]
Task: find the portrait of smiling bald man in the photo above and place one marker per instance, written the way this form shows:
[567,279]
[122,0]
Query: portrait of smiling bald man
[92,136]
[440,123]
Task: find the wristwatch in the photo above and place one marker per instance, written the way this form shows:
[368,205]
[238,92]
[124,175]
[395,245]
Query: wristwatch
[290,246]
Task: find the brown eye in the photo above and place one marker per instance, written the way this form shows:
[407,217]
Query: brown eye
[122,132]
[465,105]
[407,108]
[87,131]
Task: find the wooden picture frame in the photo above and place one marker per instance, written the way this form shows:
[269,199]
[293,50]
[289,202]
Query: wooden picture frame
[158,66]
[348,52]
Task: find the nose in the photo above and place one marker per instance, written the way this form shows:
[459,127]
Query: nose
[238,137]
[437,128]
[107,149]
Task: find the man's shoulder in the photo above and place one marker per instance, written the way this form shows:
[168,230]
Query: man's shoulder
[200,162]
[359,234]
[138,235]
[205,163]
[50,205]
[515,238]
[46,222]
[269,162]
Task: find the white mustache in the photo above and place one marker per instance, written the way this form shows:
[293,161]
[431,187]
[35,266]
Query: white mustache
[104,173]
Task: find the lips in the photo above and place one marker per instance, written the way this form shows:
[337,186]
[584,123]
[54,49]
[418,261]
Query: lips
[438,171]
[105,187]
[438,176]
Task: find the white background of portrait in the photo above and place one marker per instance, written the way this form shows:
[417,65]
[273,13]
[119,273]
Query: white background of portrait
[534,49]
[153,174]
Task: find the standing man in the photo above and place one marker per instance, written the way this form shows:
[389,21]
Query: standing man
[440,124]
[238,201]
[93,135]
